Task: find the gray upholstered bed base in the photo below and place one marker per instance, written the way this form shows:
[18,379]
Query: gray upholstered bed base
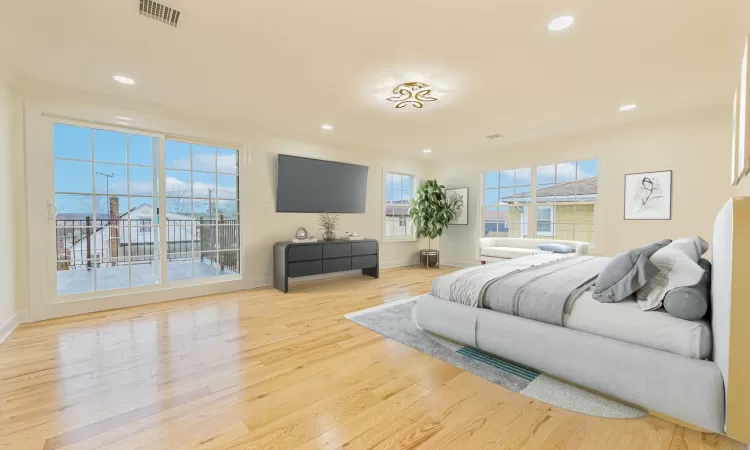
[686,389]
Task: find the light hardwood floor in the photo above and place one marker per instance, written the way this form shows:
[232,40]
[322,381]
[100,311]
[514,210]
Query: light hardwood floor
[261,369]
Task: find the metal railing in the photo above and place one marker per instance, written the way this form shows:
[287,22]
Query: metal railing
[84,243]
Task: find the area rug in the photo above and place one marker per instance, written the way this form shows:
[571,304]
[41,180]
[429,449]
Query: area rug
[394,320]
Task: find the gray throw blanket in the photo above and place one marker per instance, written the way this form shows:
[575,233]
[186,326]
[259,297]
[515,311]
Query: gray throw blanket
[535,287]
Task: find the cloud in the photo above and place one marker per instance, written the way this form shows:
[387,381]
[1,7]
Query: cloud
[202,161]
[176,188]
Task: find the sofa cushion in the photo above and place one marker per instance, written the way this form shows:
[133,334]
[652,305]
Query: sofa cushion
[625,274]
[508,252]
[557,248]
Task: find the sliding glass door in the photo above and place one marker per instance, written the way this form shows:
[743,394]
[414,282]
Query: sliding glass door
[202,201]
[134,210]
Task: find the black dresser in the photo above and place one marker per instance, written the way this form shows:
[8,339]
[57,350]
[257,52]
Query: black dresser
[292,260]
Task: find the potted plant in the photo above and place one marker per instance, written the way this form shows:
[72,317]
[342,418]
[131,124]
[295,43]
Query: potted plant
[430,211]
[328,222]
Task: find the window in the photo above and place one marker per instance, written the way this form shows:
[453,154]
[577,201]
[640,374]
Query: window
[399,190]
[566,197]
[507,195]
[545,221]
[110,187]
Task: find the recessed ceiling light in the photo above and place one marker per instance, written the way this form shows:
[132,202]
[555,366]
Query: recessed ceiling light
[123,79]
[629,107]
[327,127]
[124,123]
[427,150]
[561,23]
[123,118]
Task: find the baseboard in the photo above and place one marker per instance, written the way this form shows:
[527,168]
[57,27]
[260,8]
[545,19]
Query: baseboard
[10,325]
[459,264]
[394,264]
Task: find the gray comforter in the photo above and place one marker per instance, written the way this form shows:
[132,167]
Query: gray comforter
[535,287]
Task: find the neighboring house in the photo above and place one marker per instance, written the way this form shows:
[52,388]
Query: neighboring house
[564,211]
[496,224]
[114,241]
[397,219]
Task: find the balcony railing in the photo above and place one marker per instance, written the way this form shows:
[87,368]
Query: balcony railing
[82,244]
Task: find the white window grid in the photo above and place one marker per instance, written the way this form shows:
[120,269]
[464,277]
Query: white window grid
[398,220]
[128,225]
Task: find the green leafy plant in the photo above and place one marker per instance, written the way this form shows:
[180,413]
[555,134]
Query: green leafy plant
[431,210]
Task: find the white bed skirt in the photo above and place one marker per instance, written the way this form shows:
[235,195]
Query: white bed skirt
[687,389]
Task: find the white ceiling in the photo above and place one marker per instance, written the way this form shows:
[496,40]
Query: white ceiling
[287,66]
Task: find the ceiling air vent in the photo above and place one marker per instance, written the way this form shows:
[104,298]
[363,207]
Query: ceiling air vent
[157,11]
[494,136]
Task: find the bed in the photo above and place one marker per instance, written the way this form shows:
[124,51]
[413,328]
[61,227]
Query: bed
[691,372]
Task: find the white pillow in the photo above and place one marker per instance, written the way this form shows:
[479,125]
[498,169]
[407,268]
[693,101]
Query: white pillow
[694,247]
[678,267]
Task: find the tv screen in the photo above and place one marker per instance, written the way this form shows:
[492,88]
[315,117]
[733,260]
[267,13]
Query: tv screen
[313,186]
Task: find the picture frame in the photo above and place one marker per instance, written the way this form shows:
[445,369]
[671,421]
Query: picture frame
[648,196]
[462,213]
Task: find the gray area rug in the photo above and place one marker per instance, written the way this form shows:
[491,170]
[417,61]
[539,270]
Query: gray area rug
[394,320]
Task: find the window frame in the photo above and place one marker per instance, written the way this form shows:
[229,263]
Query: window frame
[160,257]
[384,222]
[534,203]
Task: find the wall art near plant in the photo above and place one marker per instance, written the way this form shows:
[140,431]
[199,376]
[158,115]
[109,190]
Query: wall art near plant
[648,196]
[461,197]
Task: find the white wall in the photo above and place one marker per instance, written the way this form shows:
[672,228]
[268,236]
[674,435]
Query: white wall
[696,147]
[12,290]
[265,226]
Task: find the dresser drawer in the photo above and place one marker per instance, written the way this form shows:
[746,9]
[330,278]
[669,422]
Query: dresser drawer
[337,265]
[364,262]
[304,252]
[364,248]
[337,250]
[303,269]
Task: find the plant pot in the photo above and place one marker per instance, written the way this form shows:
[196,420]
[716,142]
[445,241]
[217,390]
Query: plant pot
[329,235]
[429,258]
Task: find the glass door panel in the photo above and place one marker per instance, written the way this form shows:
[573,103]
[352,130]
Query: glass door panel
[202,211]
[107,222]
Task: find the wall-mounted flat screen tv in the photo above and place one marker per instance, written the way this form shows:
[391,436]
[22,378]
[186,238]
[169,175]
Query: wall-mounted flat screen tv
[313,186]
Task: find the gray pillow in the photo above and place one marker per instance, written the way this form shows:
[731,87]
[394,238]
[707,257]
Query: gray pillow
[625,274]
[691,302]
[648,250]
[557,248]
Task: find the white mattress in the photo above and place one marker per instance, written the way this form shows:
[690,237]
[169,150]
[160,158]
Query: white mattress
[625,321]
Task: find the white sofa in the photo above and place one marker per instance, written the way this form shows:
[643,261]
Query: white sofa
[493,249]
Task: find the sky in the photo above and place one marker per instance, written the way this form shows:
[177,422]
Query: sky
[398,188]
[129,160]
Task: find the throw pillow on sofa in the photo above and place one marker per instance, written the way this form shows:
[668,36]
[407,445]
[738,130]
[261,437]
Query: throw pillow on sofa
[691,302]
[625,274]
[557,248]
